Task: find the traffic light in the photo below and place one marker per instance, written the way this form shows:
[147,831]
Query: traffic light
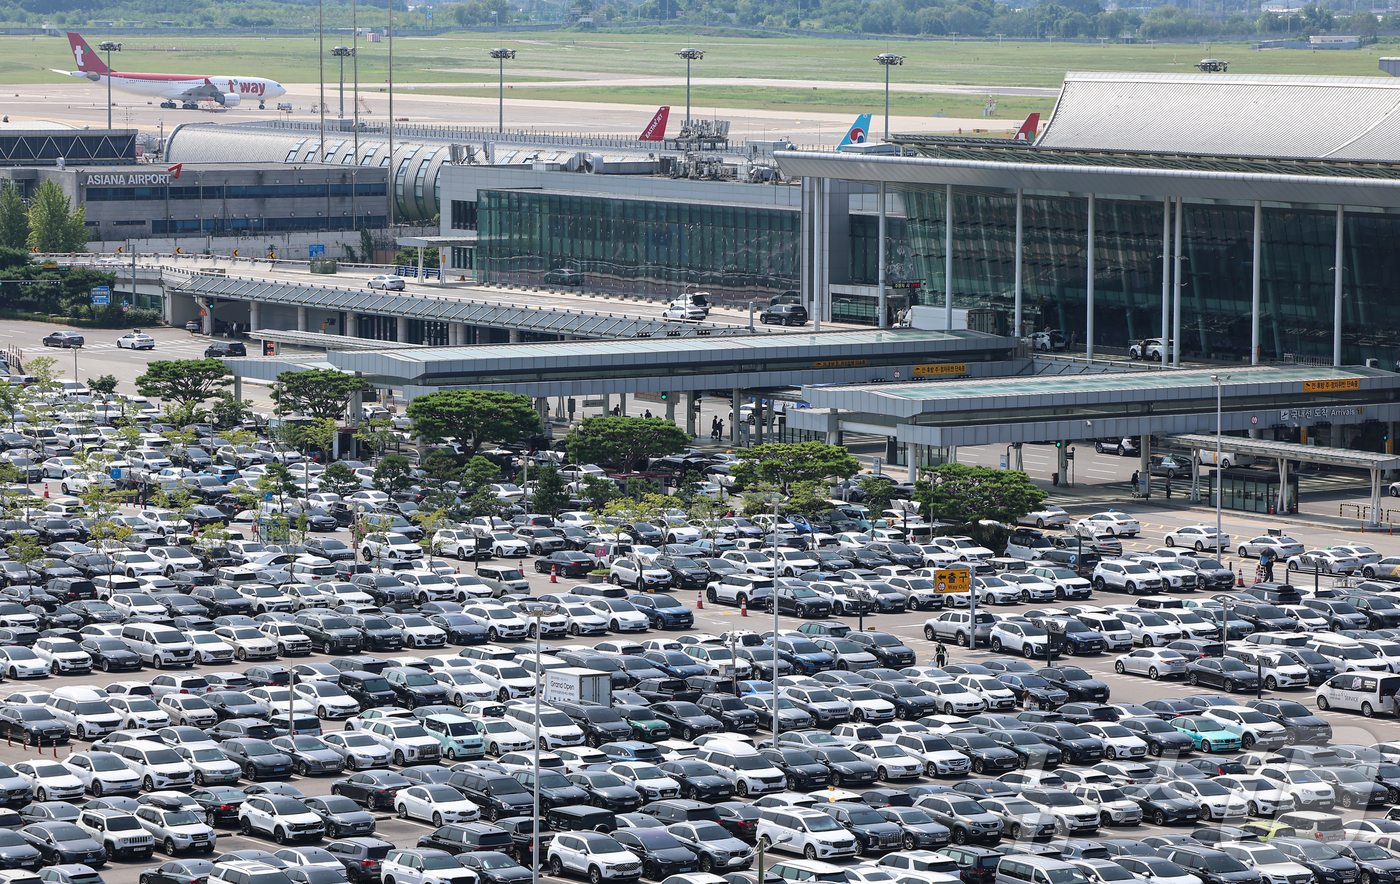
[665,396]
[1059,445]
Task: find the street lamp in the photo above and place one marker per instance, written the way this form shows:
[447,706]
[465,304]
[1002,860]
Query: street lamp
[689,55]
[888,60]
[1219,380]
[109,47]
[342,53]
[501,55]
[536,611]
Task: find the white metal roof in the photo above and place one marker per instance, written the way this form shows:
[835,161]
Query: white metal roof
[1294,117]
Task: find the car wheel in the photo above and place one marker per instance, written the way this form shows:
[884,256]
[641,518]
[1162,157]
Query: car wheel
[979,766]
[959,836]
[1323,704]
[1118,667]
[1110,753]
[556,868]
[1194,679]
[962,640]
[1152,673]
[148,784]
[996,645]
[810,851]
[1159,818]
[1367,710]
[928,633]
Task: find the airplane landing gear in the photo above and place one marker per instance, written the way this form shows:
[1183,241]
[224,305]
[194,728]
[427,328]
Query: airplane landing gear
[262,106]
[168,105]
[190,105]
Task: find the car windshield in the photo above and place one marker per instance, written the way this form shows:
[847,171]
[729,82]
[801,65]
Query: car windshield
[181,818]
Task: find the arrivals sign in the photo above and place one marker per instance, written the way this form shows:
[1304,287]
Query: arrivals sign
[126,179]
[1321,412]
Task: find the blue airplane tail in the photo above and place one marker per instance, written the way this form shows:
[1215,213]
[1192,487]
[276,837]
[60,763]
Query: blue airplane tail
[858,132]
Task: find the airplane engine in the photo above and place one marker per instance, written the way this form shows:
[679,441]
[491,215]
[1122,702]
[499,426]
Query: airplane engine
[230,99]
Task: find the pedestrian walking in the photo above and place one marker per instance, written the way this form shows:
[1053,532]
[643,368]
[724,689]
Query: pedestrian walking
[940,656]
[648,414]
[1137,478]
[1167,487]
[1266,560]
[719,428]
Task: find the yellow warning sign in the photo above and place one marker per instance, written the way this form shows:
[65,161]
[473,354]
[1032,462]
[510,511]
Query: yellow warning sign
[1332,385]
[952,580]
[929,371]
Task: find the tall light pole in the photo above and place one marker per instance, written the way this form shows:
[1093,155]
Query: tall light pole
[109,47]
[342,53]
[1219,379]
[501,55]
[689,55]
[888,60]
[536,611]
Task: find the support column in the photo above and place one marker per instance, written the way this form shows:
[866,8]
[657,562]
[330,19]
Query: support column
[1176,287]
[1375,519]
[1255,285]
[301,319]
[690,415]
[254,316]
[1166,277]
[820,276]
[671,409]
[1282,506]
[403,330]
[351,326]
[1062,463]
[515,336]
[880,261]
[911,451]
[1337,290]
[420,263]
[734,414]
[1145,462]
[1089,294]
[622,404]
[607,404]
[237,388]
[757,424]
[1017,318]
[948,258]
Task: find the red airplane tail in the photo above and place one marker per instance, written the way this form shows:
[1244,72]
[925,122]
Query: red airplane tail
[89,62]
[656,129]
[1028,129]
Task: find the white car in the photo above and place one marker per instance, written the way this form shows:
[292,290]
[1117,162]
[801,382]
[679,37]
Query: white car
[1049,516]
[1149,629]
[953,698]
[622,615]
[1197,537]
[1033,587]
[1308,790]
[387,282]
[1217,802]
[500,621]
[509,680]
[50,780]
[289,638]
[1328,561]
[438,804]
[962,547]
[553,729]
[506,545]
[463,686]
[209,648]
[651,781]
[1118,741]
[990,690]
[63,656]
[1262,797]
[20,662]
[1279,547]
[1270,862]
[277,698]
[133,604]
[139,712]
[248,642]
[211,765]
[992,590]
[1253,728]
[1154,663]
[866,705]
[102,773]
[360,751]
[890,760]
[282,817]
[390,546]
[501,736]
[593,855]
[164,521]
[1363,554]
[407,741]
[136,341]
[330,700]
[1110,522]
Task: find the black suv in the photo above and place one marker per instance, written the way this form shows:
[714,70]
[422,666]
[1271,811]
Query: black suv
[730,710]
[600,724]
[498,795]
[329,632]
[225,348]
[783,314]
[468,838]
[361,857]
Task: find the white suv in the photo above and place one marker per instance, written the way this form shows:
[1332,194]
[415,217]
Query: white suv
[554,728]
[157,764]
[806,831]
[406,740]
[281,816]
[1124,576]
[594,855]
[740,763]
[84,710]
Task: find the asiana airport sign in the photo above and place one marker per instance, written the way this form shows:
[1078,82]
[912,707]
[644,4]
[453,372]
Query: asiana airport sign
[126,179]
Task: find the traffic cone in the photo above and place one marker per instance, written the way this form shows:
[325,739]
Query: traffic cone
[1240,581]
[553,573]
[743,607]
[699,600]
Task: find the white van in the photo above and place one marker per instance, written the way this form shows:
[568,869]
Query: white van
[158,645]
[1365,692]
[740,763]
[84,710]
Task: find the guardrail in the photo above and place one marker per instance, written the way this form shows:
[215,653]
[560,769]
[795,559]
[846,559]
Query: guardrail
[1363,511]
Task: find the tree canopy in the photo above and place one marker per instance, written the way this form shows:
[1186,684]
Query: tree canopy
[185,381]
[958,493]
[316,392]
[472,418]
[625,441]
[785,463]
[54,225]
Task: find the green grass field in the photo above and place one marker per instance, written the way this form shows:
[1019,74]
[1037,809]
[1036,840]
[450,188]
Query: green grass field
[545,57]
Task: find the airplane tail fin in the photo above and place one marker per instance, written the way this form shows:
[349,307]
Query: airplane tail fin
[89,62]
[656,129]
[858,131]
[1028,129]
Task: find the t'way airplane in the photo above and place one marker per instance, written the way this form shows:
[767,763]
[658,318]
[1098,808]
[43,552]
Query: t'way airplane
[187,89]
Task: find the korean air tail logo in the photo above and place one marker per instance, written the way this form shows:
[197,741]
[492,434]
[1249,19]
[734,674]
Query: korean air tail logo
[856,135]
[858,132]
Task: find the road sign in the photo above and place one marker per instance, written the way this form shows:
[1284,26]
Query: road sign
[101,295]
[953,580]
[316,251]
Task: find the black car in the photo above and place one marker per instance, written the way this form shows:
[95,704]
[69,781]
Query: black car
[62,843]
[783,314]
[220,804]
[413,687]
[111,655]
[1227,672]
[181,871]
[1161,738]
[32,726]
[600,724]
[376,633]
[221,349]
[739,819]
[329,633]
[498,795]
[368,689]
[1031,749]
[608,790]
[732,712]
[341,816]
[1210,865]
[555,788]
[361,856]
[661,854]
[1162,805]
[1327,865]
[258,758]
[375,789]
[874,834]
[987,757]
[1376,862]
[460,838]
[566,564]
[890,651]
[663,611]
[522,835]
[685,573]
[804,773]
[1302,725]
[1076,682]
[847,768]
[1074,744]
[96,612]
[909,702]
[698,780]
[494,867]
[686,719]
[230,705]
[221,601]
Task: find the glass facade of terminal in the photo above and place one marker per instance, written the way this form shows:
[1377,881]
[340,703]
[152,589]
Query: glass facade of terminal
[637,246]
[1297,260]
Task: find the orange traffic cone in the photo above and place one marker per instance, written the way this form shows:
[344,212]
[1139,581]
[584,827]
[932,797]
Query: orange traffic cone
[699,600]
[743,607]
[1240,581]
[553,573]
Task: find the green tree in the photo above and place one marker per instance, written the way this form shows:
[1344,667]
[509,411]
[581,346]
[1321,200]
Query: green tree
[441,466]
[958,493]
[807,499]
[473,417]
[280,482]
[479,472]
[625,441]
[14,217]
[106,385]
[785,463]
[550,494]
[879,490]
[190,381]
[54,225]
[229,411]
[393,473]
[316,392]
[26,550]
[340,479]
[376,432]
[599,492]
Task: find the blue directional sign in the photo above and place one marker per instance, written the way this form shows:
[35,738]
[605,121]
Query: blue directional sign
[317,251]
[101,295]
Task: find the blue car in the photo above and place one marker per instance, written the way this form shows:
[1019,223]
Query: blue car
[676,664]
[663,611]
[632,750]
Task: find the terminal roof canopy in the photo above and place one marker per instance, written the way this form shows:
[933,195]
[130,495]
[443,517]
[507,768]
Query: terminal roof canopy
[1306,118]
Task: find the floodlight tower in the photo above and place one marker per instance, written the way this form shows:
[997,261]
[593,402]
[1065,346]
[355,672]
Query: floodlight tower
[501,55]
[109,47]
[689,55]
[888,60]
